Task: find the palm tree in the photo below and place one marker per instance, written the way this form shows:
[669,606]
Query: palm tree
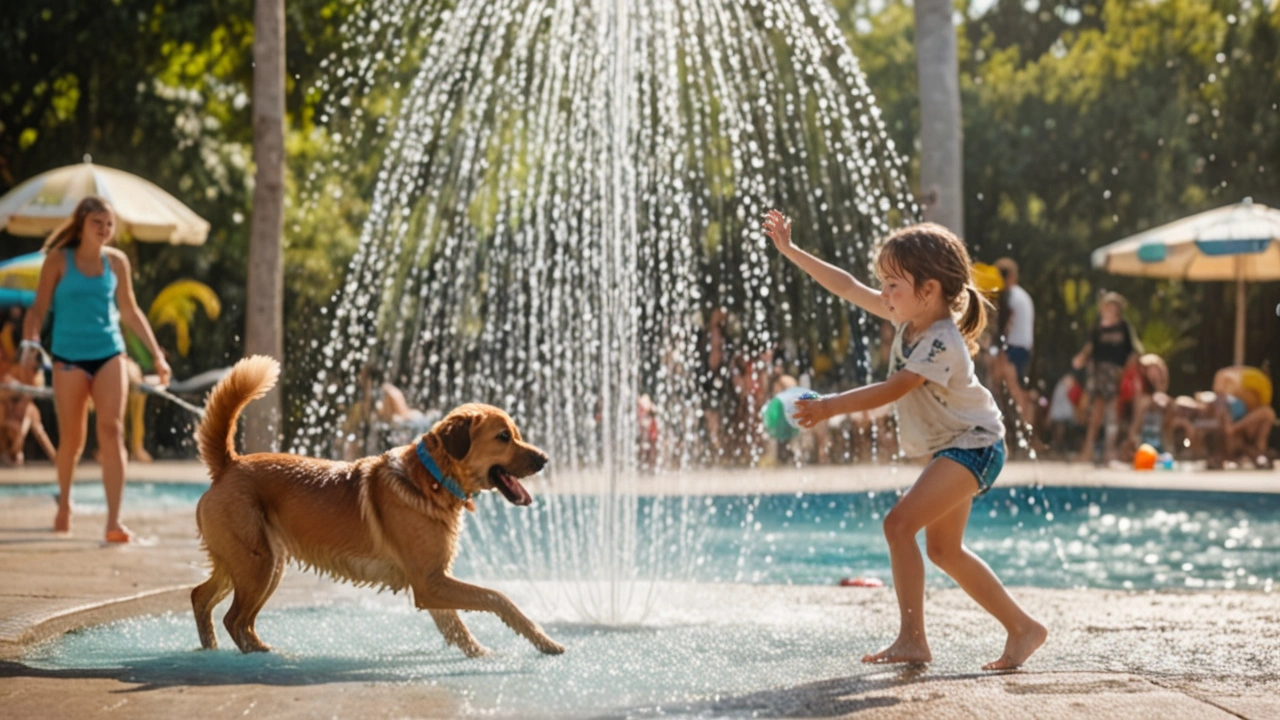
[941,141]
[264,316]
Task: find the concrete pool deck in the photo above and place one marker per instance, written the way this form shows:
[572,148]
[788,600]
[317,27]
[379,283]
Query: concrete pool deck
[1137,654]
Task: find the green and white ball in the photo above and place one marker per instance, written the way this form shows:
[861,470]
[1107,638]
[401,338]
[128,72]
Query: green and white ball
[779,414]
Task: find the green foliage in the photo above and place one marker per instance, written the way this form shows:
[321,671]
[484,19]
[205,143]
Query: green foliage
[1088,120]
[162,89]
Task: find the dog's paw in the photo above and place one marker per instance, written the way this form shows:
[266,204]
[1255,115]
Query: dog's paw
[550,647]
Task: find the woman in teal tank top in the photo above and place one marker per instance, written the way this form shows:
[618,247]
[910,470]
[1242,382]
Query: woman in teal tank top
[90,287]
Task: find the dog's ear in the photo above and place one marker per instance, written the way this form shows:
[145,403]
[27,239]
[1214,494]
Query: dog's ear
[455,434]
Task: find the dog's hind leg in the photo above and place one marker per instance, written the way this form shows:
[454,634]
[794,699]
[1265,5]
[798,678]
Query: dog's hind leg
[204,597]
[456,633]
[254,582]
[442,592]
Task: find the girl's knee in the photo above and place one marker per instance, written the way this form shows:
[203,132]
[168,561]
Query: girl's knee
[943,554]
[897,528]
[110,431]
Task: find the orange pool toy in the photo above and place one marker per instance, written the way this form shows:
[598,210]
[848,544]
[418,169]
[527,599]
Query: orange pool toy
[1145,457]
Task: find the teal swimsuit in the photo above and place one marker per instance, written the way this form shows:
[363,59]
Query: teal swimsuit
[86,321]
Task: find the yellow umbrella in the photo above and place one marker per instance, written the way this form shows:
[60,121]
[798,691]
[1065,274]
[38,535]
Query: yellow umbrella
[987,278]
[44,202]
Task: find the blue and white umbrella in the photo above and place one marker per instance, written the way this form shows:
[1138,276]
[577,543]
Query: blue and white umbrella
[1238,243]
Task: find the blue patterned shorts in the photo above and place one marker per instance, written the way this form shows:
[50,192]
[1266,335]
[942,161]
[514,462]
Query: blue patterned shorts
[985,463]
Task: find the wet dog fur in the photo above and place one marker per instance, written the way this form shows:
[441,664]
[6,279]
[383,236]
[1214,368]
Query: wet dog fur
[381,521]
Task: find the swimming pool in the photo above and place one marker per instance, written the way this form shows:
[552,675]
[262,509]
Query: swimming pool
[1043,537]
[89,496]
[1053,537]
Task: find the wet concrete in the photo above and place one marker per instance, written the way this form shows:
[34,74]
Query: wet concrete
[1111,654]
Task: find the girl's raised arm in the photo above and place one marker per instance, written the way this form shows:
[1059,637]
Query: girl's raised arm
[839,282]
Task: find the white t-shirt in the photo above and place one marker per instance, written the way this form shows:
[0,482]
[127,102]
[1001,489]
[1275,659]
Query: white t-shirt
[1022,326]
[951,408]
[1060,407]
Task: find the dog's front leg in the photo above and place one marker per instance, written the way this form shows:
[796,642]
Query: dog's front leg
[441,592]
[455,632]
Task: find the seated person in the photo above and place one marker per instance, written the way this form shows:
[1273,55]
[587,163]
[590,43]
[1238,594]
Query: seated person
[402,422]
[1231,422]
[1246,393]
[1066,411]
[20,415]
[1150,422]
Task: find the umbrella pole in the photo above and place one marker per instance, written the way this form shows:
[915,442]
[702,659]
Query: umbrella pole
[1240,298]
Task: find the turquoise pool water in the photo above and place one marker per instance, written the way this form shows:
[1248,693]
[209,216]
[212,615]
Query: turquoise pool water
[138,495]
[1042,537]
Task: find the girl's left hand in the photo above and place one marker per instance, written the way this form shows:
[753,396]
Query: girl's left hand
[161,366]
[812,412]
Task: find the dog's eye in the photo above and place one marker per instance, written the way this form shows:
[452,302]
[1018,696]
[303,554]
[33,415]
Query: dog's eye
[505,436]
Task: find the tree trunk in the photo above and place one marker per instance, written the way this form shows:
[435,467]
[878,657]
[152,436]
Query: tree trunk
[264,316]
[941,151]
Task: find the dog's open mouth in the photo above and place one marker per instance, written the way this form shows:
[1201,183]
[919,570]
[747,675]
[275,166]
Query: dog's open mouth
[510,487]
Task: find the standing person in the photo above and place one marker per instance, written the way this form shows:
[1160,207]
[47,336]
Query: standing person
[90,287]
[943,412]
[1112,347]
[1021,328]
[714,353]
[1019,335]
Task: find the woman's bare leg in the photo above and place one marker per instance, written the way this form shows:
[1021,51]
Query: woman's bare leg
[110,391]
[71,402]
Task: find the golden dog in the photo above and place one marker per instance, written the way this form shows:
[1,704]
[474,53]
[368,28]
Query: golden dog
[384,521]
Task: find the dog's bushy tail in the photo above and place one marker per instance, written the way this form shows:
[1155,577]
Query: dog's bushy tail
[250,379]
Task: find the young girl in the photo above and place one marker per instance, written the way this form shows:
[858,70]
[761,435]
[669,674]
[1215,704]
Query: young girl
[90,288]
[943,412]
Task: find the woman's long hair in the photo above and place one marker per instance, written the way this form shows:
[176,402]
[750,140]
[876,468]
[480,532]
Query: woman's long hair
[68,234]
[931,252]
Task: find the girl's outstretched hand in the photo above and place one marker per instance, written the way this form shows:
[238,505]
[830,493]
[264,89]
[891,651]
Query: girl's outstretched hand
[778,227]
[812,412]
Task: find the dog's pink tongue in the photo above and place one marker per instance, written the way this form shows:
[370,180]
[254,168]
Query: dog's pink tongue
[518,495]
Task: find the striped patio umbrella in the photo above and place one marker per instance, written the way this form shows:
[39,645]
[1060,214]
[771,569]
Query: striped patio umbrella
[1239,243]
[148,213]
[18,279]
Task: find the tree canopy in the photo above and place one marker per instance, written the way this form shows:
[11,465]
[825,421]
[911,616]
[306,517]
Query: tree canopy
[1084,121]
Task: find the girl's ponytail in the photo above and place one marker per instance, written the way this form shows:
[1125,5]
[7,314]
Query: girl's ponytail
[974,319]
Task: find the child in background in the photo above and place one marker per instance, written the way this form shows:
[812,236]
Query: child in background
[1064,410]
[943,412]
[1111,347]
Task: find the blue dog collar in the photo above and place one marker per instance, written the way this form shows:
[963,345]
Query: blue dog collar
[430,464]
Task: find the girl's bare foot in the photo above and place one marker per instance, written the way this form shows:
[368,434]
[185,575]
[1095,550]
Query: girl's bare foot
[901,651]
[62,521]
[119,535]
[1019,647]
